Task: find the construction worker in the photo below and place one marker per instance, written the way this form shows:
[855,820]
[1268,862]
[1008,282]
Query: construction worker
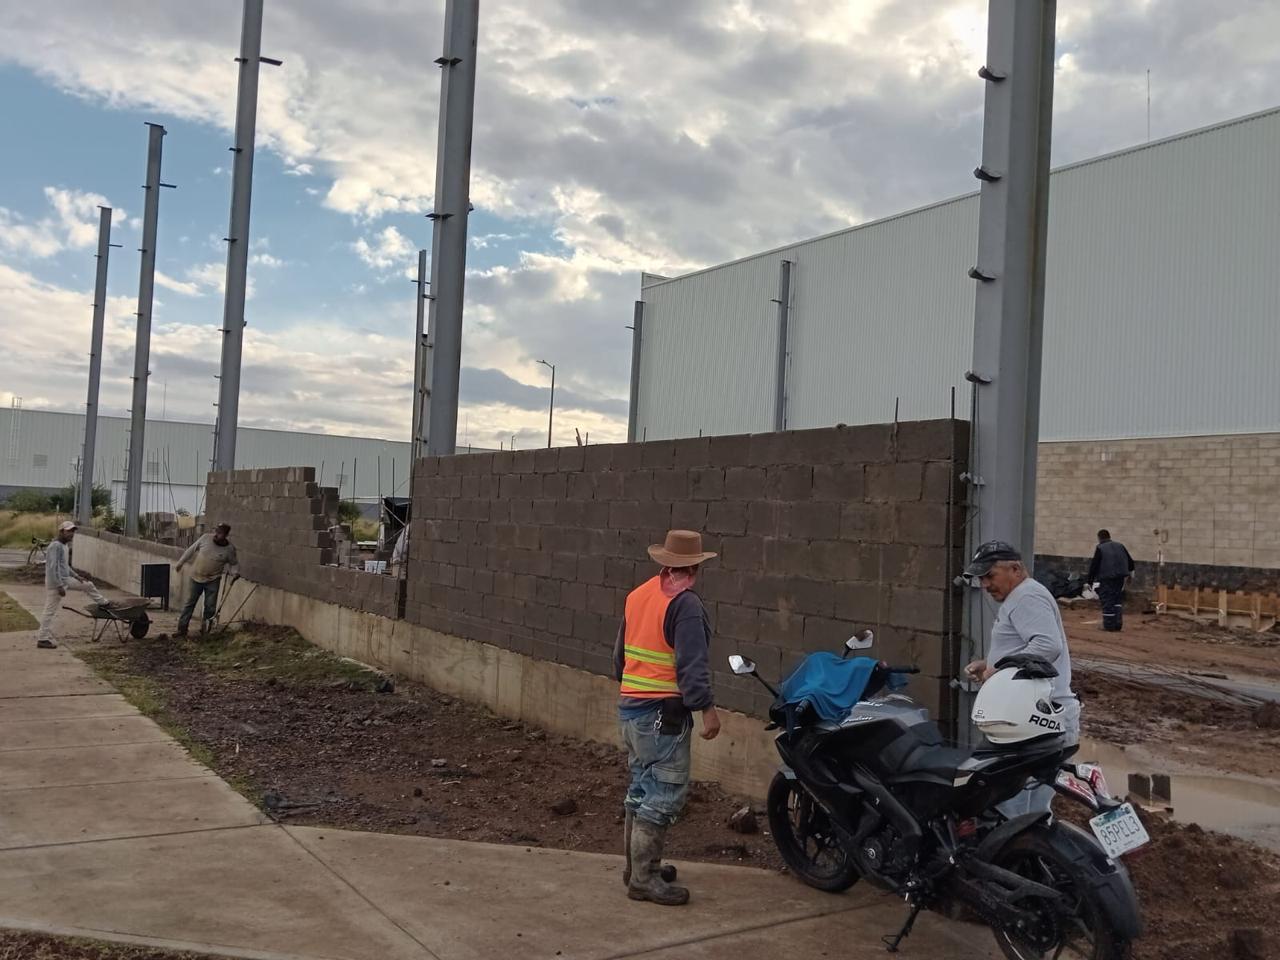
[1027,621]
[58,579]
[662,661]
[210,556]
[1110,567]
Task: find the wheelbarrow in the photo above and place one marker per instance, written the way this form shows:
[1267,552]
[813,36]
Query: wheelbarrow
[127,610]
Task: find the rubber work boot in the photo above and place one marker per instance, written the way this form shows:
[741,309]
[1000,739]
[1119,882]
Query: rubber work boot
[646,859]
[667,871]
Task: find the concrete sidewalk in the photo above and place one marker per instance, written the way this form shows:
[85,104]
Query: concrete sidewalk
[108,829]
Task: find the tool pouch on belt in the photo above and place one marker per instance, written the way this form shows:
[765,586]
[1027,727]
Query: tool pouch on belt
[673,716]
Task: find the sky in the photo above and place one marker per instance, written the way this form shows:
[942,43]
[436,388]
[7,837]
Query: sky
[610,138]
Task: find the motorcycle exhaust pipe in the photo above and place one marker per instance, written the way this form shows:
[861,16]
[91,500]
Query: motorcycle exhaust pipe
[898,815]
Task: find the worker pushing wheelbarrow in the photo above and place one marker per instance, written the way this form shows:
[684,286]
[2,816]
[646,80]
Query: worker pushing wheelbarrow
[210,557]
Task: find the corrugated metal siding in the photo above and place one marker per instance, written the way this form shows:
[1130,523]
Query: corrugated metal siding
[710,351]
[1162,312]
[179,453]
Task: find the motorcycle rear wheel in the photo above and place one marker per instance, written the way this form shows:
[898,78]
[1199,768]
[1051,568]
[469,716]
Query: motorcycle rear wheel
[805,838]
[1086,935]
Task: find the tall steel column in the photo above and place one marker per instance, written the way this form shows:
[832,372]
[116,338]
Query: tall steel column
[95,365]
[637,343]
[784,319]
[1010,271]
[142,346]
[250,59]
[421,365]
[449,234]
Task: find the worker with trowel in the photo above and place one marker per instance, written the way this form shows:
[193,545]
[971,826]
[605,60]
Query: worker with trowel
[210,556]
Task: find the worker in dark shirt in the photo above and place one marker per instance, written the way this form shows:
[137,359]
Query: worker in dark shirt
[1110,567]
[662,661]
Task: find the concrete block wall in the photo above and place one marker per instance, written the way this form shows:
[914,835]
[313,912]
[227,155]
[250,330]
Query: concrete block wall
[280,520]
[820,533]
[1189,501]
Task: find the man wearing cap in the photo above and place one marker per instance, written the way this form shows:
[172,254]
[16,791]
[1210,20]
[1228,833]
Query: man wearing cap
[662,661]
[1027,621]
[210,556]
[58,579]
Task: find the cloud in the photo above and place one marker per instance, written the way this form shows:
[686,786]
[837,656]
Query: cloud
[72,224]
[265,260]
[388,248]
[770,121]
[184,287]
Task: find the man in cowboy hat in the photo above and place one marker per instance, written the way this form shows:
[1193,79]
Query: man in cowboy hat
[662,661]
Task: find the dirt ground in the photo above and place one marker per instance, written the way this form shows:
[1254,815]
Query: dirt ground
[313,741]
[17,945]
[1193,730]
[1169,640]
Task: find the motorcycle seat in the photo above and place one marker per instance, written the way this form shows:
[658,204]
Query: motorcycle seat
[933,760]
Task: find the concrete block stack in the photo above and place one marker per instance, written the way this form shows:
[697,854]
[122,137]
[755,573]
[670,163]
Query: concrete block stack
[280,520]
[820,533]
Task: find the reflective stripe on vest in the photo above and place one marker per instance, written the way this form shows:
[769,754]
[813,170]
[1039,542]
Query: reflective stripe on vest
[649,663]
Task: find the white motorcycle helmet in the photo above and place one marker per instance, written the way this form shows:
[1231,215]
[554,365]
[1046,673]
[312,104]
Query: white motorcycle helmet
[1016,704]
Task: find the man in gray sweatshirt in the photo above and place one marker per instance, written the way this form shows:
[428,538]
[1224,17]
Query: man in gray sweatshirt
[1027,621]
[58,579]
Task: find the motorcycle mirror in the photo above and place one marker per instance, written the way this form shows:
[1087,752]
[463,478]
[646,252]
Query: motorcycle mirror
[741,665]
[860,641]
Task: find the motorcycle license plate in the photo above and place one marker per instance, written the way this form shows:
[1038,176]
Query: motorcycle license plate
[1119,830]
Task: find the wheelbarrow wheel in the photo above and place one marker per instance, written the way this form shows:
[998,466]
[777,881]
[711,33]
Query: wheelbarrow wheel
[138,629]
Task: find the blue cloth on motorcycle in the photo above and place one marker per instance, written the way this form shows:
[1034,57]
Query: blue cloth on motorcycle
[831,685]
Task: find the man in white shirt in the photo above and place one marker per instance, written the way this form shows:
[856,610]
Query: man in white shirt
[1027,621]
[209,557]
[58,579]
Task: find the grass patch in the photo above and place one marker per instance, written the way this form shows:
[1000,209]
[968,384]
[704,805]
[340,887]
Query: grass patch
[17,529]
[13,616]
[277,655]
[21,945]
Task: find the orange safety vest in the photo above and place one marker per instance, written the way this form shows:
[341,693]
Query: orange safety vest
[649,663]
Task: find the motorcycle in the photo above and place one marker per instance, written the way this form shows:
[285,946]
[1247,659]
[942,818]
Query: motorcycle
[875,794]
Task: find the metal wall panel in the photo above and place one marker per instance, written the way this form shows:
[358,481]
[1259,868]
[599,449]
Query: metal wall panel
[47,444]
[709,351]
[1162,313]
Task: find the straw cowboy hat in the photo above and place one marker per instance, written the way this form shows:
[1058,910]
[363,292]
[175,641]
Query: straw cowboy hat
[683,548]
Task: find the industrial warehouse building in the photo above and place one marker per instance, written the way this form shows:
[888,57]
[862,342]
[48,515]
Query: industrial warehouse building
[42,451]
[1160,409]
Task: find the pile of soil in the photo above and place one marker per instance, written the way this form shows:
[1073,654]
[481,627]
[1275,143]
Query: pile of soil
[1204,895]
[1196,730]
[321,746]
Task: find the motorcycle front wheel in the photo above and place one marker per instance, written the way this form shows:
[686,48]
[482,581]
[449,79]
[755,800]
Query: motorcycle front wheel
[1082,933]
[805,838]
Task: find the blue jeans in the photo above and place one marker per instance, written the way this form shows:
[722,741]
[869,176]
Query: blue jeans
[210,591]
[659,765]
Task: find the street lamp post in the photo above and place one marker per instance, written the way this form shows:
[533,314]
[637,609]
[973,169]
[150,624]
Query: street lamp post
[551,412]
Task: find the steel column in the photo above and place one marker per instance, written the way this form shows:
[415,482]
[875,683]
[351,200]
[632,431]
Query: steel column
[1010,272]
[95,366]
[142,346]
[449,220]
[421,365]
[637,342]
[233,323]
[784,319]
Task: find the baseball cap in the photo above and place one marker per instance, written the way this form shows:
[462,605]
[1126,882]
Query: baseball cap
[67,525]
[988,555]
